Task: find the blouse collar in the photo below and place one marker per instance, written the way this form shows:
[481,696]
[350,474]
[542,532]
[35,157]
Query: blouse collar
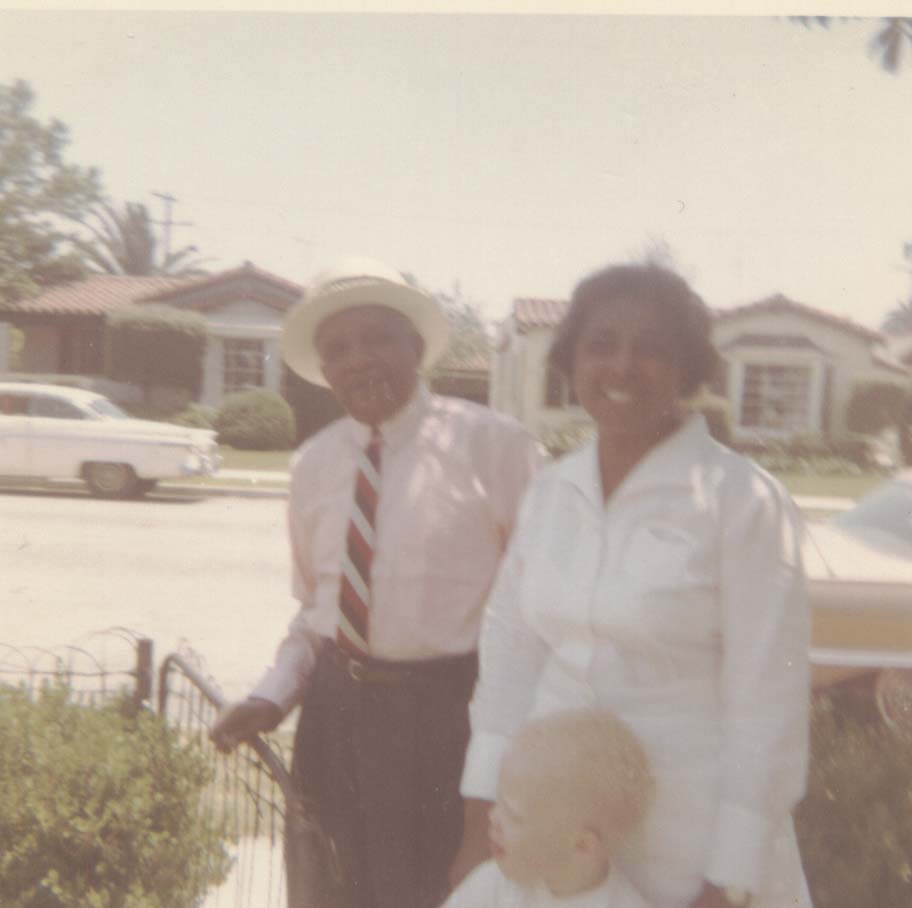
[666,465]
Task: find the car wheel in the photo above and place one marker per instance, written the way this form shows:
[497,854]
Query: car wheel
[144,486]
[110,480]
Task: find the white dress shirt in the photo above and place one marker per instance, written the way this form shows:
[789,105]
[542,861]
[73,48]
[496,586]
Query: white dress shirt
[680,605]
[487,887]
[452,474]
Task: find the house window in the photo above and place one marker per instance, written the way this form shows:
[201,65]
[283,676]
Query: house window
[244,364]
[558,391]
[776,397]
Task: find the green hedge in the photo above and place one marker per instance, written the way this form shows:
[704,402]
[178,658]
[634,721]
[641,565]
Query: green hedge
[156,346]
[255,420]
[99,809]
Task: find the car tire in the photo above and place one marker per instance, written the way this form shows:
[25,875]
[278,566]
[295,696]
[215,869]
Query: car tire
[110,480]
[144,486]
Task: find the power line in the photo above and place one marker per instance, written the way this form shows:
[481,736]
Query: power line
[168,223]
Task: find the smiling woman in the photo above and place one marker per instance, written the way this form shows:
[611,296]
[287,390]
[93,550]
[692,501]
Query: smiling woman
[657,574]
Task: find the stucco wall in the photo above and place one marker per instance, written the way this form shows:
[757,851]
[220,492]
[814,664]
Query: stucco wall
[41,350]
[240,319]
[839,360]
[847,354]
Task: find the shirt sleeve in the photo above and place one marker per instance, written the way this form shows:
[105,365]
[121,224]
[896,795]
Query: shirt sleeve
[477,890]
[513,463]
[765,679]
[511,658]
[284,682]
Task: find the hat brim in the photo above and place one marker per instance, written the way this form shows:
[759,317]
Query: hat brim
[299,332]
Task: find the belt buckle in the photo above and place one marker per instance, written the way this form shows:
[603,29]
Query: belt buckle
[355,669]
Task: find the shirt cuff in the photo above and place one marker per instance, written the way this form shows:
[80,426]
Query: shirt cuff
[740,848]
[482,766]
[278,688]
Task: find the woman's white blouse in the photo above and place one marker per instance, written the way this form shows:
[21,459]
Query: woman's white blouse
[680,605]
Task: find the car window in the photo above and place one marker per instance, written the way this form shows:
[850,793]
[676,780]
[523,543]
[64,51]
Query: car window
[887,508]
[54,407]
[13,404]
[107,410]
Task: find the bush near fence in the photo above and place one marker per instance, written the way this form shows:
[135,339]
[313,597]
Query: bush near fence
[98,807]
[855,823]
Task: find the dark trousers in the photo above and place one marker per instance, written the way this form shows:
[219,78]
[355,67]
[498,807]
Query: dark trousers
[379,750]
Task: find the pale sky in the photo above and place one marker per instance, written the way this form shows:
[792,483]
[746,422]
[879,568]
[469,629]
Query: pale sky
[513,153]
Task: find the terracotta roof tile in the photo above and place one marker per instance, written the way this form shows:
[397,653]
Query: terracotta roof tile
[95,295]
[538,313]
[206,281]
[780,303]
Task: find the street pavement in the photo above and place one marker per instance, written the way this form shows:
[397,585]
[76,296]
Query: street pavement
[213,571]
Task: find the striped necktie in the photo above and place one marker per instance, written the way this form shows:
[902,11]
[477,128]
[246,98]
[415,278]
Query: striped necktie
[354,589]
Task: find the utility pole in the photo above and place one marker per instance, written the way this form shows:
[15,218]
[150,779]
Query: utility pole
[167,223]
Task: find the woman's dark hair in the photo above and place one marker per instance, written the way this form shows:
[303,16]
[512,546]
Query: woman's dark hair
[697,358]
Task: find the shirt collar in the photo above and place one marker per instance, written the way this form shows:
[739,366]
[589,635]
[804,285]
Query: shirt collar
[400,427]
[664,466]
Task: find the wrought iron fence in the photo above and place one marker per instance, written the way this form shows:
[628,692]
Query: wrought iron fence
[250,789]
[116,662]
[281,853]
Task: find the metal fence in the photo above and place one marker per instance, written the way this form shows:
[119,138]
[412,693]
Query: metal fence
[251,794]
[116,662]
[250,789]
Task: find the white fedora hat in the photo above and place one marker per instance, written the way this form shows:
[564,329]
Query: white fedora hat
[358,282]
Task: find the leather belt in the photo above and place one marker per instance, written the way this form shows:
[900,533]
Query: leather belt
[368,670]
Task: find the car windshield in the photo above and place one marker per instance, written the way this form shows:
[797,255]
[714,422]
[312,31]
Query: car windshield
[103,408]
[888,508]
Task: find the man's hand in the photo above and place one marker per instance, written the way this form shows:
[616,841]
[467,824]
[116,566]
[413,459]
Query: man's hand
[475,846]
[242,720]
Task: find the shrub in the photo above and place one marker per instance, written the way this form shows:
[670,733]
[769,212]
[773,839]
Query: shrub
[156,346]
[196,416]
[255,420]
[855,824]
[875,406]
[99,809]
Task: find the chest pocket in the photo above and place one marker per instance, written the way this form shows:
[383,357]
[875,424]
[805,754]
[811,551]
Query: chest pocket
[662,557]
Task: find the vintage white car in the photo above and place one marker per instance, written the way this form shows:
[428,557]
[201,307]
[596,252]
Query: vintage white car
[859,568]
[56,432]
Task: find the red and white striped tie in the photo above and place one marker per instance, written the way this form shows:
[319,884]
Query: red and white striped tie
[354,590]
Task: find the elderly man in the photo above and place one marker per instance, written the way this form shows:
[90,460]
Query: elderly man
[398,516]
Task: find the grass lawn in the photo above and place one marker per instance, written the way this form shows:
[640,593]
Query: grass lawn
[796,483]
[233,459]
[829,486]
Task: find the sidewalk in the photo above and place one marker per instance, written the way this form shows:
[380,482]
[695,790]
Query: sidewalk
[274,484]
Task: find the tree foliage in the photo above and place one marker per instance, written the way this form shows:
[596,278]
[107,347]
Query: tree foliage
[469,335]
[39,195]
[156,346]
[889,44]
[124,242]
[875,406]
[100,809]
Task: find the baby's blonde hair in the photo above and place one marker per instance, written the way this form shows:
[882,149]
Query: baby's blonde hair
[596,753]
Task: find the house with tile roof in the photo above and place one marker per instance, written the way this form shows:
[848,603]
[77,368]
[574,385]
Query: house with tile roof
[244,309]
[789,369]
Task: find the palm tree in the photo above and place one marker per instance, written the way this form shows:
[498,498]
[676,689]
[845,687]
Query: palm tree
[124,242]
[888,43]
